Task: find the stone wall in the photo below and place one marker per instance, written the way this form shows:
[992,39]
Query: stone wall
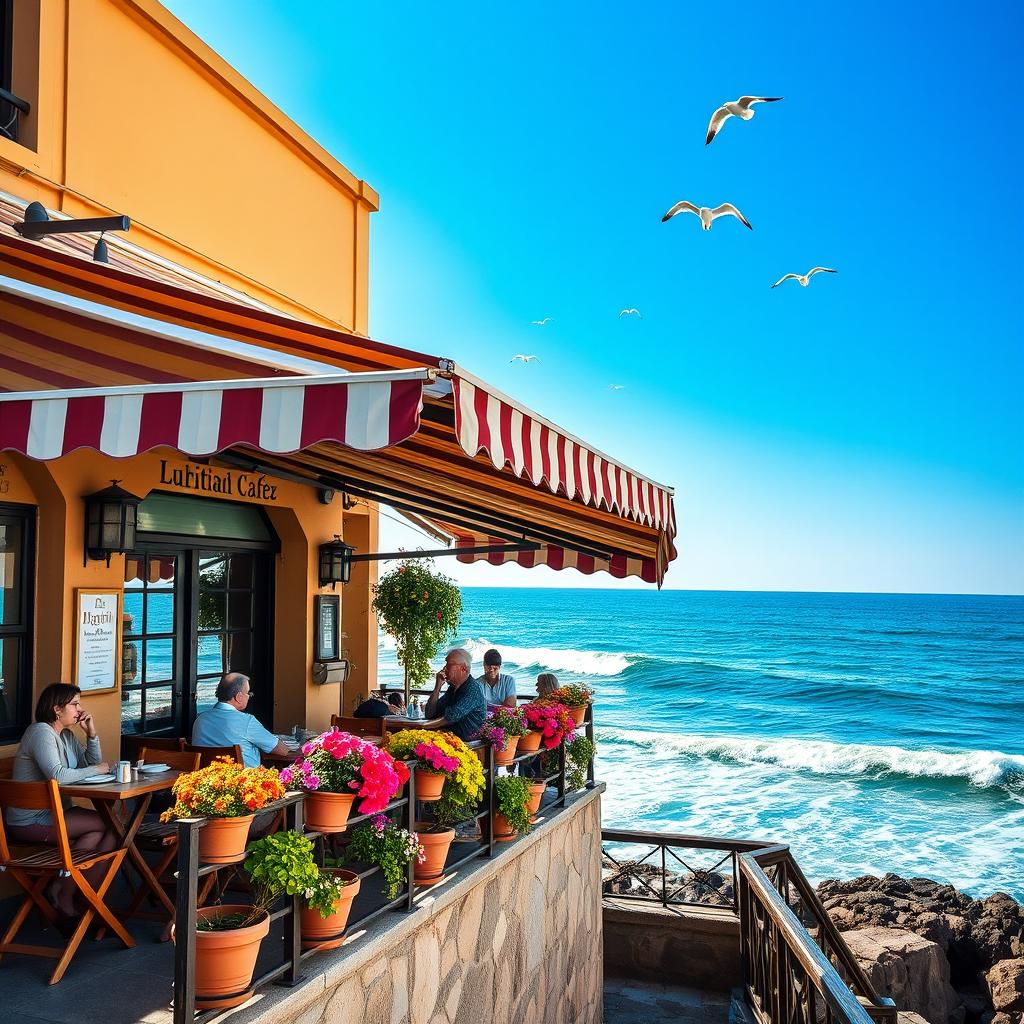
[510,940]
[646,942]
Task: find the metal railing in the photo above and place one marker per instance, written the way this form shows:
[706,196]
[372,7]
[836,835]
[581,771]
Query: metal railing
[797,967]
[11,108]
[288,968]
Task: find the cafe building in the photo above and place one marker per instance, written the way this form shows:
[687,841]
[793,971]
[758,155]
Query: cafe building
[196,430]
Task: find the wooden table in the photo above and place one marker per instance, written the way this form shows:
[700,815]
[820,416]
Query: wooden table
[106,798]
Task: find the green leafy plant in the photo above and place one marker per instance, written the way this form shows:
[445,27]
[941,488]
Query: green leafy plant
[282,864]
[578,756]
[380,841]
[511,794]
[421,609]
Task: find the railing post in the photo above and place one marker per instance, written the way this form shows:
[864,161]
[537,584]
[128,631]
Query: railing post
[185,899]
[561,774]
[293,819]
[410,826]
[489,824]
[664,888]
[589,723]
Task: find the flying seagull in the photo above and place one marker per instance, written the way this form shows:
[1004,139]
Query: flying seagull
[804,279]
[541,323]
[616,387]
[706,214]
[741,108]
[523,359]
[629,312]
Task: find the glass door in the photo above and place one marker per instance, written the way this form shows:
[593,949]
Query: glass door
[190,615]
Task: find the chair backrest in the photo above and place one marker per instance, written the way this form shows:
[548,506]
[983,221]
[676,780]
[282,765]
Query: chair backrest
[207,755]
[360,726]
[179,760]
[33,796]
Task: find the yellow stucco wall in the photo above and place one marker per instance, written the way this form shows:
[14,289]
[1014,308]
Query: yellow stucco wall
[297,516]
[133,114]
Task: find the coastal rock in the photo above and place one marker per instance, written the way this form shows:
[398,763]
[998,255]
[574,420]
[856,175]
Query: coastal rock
[975,934]
[1006,985]
[908,968]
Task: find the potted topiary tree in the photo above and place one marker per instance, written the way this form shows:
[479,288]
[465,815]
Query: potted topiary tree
[421,609]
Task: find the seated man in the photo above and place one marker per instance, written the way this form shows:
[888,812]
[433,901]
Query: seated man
[227,723]
[500,688]
[463,707]
[377,707]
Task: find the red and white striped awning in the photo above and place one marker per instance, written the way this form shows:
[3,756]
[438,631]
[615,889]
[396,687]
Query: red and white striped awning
[365,411]
[536,449]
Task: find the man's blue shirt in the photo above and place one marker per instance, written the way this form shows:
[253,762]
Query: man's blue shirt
[224,725]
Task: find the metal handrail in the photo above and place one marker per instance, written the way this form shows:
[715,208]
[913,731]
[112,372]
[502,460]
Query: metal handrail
[824,958]
[15,101]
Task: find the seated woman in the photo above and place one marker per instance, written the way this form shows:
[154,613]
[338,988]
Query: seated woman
[377,707]
[50,750]
[547,683]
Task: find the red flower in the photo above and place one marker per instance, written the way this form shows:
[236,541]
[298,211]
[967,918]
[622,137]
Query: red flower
[439,615]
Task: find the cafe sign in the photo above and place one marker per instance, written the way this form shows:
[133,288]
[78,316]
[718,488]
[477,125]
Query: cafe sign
[226,483]
[97,639]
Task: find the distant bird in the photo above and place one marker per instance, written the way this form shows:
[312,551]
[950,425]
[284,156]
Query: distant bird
[706,214]
[741,108]
[616,387]
[804,279]
[523,359]
[630,312]
[541,323]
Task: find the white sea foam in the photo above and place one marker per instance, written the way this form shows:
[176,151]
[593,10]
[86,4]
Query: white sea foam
[981,768]
[584,663]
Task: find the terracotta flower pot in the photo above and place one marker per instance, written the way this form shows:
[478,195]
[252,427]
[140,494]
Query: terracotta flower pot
[435,846]
[225,960]
[328,812]
[222,840]
[579,714]
[530,742]
[505,754]
[503,831]
[429,785]
[327,932]
[536,795]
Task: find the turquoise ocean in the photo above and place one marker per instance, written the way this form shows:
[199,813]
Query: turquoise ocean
[872,732]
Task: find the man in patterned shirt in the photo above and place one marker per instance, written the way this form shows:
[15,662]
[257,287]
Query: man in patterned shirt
[463,705]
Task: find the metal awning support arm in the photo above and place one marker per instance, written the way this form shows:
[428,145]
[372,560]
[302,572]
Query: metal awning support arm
[485,549]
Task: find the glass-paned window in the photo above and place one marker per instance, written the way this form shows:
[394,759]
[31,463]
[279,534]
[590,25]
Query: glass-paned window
[150,659]
[17,561]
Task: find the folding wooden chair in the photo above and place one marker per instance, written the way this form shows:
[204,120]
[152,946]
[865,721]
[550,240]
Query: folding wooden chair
[32,871]
[159,835]
[207,755]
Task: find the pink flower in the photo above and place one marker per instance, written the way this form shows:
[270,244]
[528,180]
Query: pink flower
[286,775]
[308,748]
[312,782]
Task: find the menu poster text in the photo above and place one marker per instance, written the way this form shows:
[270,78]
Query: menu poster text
[97,639]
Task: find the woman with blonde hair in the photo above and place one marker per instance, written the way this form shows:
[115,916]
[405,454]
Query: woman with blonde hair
[547,683]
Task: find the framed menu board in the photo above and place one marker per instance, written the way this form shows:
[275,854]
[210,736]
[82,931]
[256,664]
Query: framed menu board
[97,639]
[326,619]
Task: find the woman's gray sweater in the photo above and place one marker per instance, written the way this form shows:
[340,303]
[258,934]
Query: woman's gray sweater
[44,755]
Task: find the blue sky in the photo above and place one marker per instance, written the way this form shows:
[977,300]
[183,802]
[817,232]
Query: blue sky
[863,433]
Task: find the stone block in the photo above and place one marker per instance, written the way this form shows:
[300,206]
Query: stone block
[1005,983]
[908,968]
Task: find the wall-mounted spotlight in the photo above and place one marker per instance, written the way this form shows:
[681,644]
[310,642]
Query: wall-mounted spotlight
[37,224]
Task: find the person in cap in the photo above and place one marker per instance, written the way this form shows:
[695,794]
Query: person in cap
[499,687]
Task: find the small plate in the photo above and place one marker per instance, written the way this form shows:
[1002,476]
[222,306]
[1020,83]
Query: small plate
[154,769]
[95,780]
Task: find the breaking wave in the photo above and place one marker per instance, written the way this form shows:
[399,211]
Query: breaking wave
[584,663]
[980,768]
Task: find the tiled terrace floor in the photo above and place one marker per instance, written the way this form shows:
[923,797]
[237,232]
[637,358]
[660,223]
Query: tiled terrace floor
[641,1002]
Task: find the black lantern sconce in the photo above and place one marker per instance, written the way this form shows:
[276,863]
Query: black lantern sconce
[111,516]
[335,562]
